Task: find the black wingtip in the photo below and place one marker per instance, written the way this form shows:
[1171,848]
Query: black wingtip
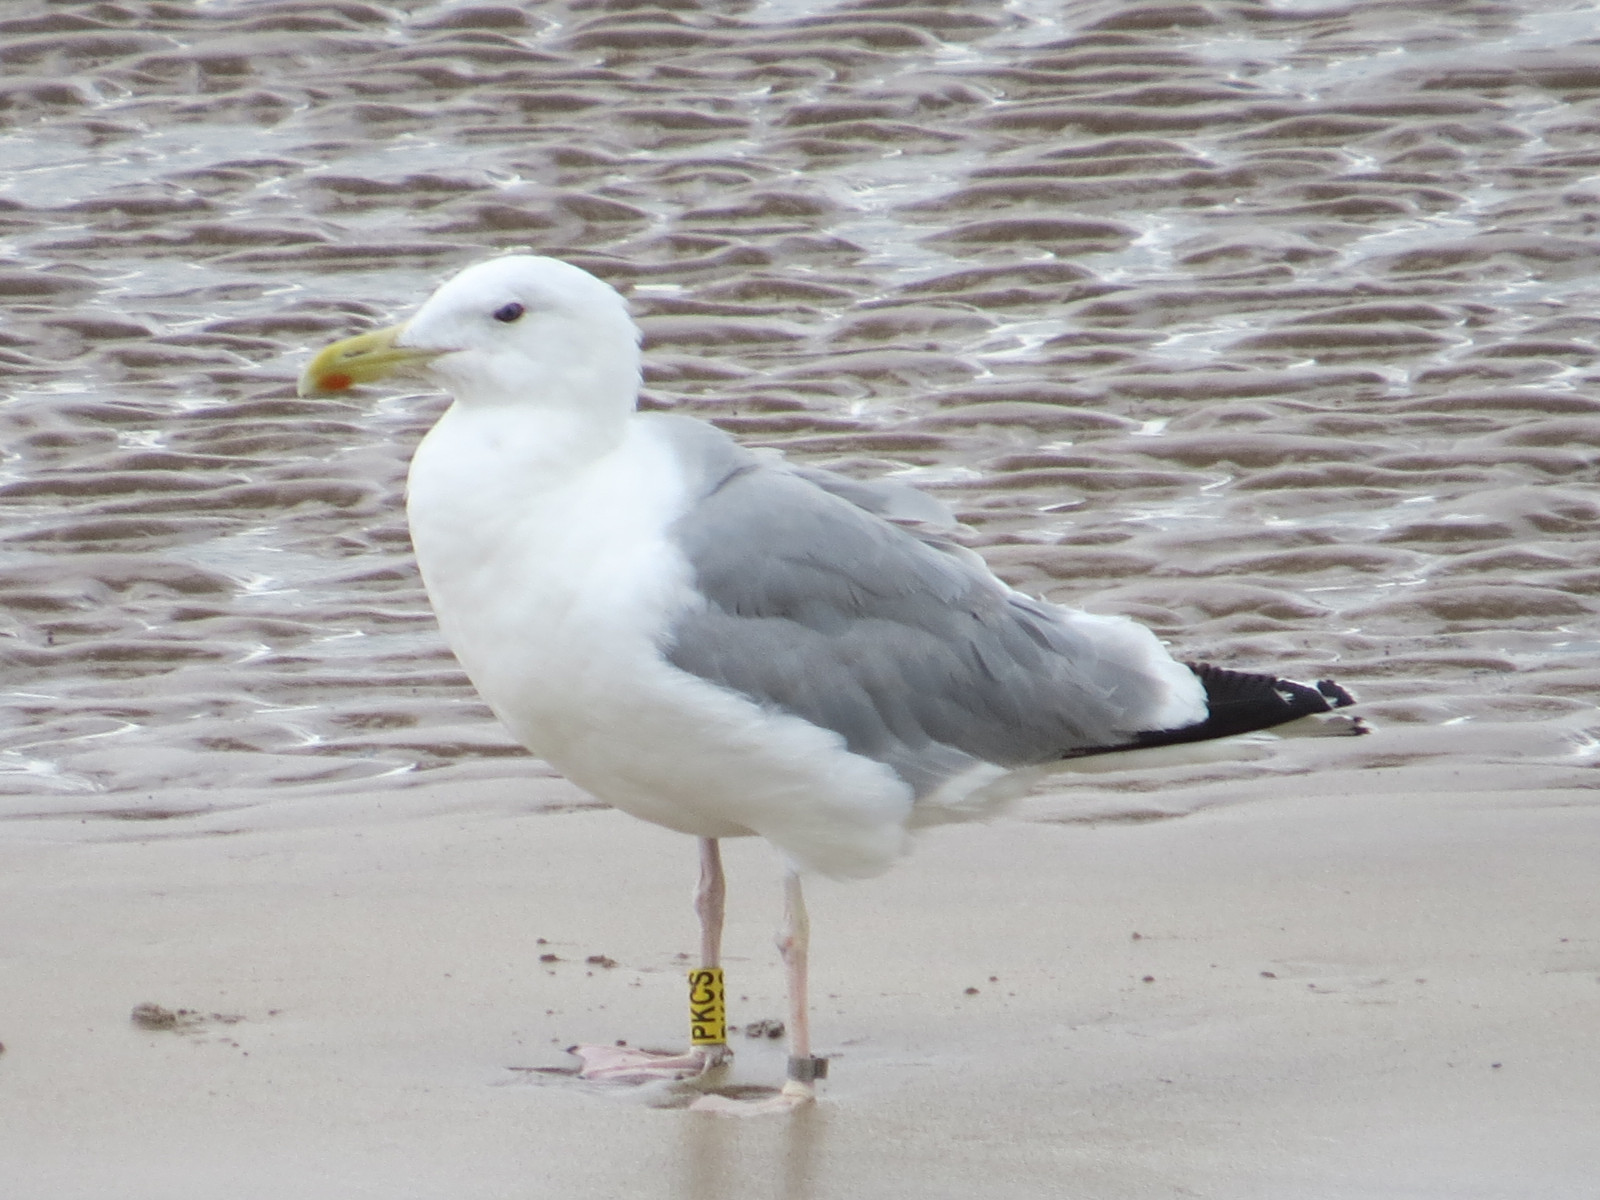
[1243,702]
[1336,696]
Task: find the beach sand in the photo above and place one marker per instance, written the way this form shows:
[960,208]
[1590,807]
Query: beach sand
[1386,984]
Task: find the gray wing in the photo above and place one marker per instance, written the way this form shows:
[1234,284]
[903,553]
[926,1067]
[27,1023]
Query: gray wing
[899,641]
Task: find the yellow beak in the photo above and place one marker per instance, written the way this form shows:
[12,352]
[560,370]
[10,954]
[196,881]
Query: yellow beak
[364,358]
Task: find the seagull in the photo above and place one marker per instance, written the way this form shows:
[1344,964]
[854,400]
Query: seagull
[718,641]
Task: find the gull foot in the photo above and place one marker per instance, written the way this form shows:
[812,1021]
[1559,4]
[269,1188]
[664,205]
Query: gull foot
[623,1064]
[794,1095]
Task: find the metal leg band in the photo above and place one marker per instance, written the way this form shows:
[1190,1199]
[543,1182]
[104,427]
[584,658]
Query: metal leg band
[808,1070]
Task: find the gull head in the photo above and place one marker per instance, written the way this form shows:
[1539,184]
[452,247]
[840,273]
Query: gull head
[515,330]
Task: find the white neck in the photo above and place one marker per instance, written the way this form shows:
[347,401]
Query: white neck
[480,447]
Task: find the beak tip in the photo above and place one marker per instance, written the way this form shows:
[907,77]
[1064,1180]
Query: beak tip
[322,383]
[365,358]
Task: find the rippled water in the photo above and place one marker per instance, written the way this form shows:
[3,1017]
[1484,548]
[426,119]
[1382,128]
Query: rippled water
[1271,325]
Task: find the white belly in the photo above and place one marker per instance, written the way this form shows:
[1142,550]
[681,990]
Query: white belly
[557,600]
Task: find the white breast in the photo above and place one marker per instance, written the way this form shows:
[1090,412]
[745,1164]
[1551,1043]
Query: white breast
[556,586]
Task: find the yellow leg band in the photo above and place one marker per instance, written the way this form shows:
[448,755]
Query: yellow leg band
[708,1007]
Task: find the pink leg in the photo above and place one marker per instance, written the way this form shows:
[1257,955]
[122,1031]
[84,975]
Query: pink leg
[622,1064]
[709,900]
[794,943]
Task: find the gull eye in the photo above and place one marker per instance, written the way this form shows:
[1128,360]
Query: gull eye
[509,312]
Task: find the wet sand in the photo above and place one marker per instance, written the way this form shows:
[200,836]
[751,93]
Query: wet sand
[1272,326]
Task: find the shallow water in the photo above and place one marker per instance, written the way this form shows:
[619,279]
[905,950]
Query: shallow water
[1271,325]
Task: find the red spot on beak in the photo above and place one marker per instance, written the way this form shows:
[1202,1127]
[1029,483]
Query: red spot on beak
[335,382]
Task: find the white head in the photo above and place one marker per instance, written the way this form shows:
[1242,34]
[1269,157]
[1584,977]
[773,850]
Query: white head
[519,330]
[524,328]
